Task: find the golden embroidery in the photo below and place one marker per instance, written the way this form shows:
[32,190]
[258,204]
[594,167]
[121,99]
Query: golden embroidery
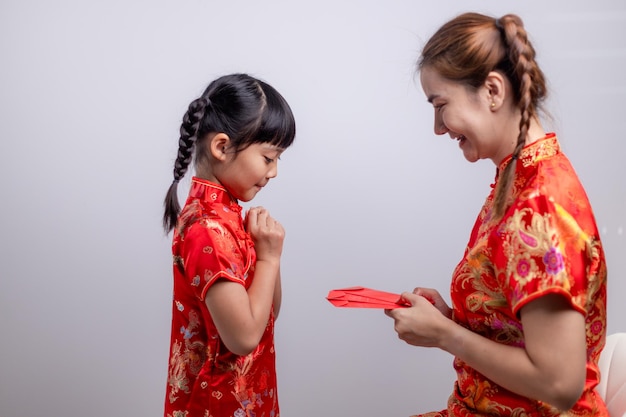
[176,378]
[569,230]
[543,150]
[183,357]
[535,239]
[214,225]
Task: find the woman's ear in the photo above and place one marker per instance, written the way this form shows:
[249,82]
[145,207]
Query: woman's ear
[218,143]
[495,84]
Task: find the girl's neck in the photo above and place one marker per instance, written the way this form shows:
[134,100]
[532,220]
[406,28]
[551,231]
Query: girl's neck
[206,174]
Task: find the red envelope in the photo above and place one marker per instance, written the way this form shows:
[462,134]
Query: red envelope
[360,297]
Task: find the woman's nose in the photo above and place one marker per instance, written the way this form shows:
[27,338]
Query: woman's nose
[440,127]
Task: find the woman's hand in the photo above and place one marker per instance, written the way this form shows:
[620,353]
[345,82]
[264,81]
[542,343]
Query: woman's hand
[550,367]
[436,299]
[423,323]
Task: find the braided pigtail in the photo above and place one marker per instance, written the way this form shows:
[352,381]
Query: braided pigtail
[188,137]
[529,88]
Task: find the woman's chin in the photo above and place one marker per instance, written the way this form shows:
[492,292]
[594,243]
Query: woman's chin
[470,156]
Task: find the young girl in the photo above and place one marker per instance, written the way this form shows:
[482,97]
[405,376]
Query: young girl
[528,316]
[227,288]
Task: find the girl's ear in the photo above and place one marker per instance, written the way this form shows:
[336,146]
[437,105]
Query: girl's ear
[218,144]
[495,85]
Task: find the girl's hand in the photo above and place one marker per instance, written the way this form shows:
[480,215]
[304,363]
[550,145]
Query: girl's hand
[268,235]
[424,323]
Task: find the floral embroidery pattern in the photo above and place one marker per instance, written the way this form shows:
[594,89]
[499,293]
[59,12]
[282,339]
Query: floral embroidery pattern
[546,243]
[553,261]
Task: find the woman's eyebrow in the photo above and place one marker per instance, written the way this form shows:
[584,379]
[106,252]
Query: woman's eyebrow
[432,97]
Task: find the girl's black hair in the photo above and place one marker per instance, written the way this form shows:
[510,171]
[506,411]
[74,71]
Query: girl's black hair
[246,109]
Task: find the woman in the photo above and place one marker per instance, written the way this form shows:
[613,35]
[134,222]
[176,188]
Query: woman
[528,315]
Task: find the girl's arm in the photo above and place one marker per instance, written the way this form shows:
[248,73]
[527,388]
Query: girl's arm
[551,367]
[241,316]
[278,295]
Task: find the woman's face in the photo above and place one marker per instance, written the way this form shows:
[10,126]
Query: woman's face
[466,115]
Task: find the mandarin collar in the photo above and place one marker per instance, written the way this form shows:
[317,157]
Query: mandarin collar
[211,192]
[531,154]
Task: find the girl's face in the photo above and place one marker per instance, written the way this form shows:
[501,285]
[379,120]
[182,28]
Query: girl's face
[244,173]
[467,116]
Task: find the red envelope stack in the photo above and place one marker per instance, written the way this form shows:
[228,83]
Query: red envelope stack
[360,297]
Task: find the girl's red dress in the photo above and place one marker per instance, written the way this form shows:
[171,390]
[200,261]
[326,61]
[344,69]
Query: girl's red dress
[546,243]
[204,378]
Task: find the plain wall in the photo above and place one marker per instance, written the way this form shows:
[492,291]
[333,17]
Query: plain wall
[91,99]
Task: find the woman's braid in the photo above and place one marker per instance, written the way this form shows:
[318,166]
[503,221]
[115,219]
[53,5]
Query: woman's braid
[528,91]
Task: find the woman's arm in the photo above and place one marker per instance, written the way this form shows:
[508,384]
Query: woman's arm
[551,367]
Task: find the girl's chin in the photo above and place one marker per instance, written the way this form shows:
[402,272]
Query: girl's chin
[249,195]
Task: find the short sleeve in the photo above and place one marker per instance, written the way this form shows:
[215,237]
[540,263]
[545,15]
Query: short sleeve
[540,249]
[211,252]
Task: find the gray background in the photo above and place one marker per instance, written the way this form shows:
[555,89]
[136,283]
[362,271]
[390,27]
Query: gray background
[91,98]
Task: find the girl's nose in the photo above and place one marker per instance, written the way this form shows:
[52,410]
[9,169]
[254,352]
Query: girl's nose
[273,172]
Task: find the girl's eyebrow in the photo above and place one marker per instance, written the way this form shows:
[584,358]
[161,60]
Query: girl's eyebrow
[274,148]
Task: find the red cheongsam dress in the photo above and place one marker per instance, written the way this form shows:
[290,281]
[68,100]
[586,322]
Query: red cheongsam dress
[204,378]
[546,243]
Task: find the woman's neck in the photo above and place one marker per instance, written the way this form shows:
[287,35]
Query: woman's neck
[535,131]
